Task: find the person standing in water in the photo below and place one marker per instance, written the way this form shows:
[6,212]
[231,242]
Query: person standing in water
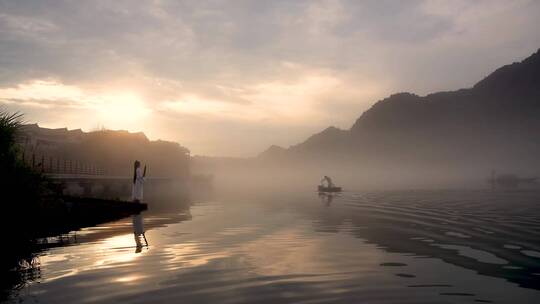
[138,181]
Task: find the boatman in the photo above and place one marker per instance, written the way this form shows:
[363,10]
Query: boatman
[328,181]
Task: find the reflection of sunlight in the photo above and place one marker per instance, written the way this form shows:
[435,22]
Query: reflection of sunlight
[279,253]
[189,255]
[119,241]
[129,278]
[118,249]
[106,254]
[273,254]
[54,258]
[239,230]
[285,251]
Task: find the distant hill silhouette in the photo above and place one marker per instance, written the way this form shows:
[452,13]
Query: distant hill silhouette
[114,151]
[494,123]
[273,151]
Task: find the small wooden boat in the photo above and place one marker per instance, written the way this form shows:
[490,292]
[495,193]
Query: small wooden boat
[329,189]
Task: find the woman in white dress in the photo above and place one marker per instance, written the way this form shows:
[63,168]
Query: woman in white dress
[138,181]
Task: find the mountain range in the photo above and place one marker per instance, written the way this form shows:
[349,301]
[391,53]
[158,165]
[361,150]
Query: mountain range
[494,124]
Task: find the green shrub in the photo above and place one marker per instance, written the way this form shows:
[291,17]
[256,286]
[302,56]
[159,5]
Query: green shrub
[21,186]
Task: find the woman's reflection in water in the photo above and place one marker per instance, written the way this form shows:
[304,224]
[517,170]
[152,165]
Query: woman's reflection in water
[138,232]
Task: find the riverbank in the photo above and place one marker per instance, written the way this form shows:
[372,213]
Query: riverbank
[67,213]
[56,215]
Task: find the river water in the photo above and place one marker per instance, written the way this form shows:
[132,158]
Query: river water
[364,247]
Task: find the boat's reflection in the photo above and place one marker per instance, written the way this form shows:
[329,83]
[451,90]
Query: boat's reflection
[326,198]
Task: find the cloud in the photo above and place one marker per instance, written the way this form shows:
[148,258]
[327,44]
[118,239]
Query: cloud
[229,67]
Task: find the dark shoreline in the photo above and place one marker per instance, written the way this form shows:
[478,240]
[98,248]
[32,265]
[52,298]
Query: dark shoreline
[58,214]
[68,213]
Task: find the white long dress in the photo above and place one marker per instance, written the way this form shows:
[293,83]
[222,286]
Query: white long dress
[137,193]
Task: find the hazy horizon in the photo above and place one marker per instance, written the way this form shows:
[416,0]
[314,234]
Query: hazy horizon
[231,79]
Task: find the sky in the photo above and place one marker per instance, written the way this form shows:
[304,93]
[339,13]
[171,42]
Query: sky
[231,78]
